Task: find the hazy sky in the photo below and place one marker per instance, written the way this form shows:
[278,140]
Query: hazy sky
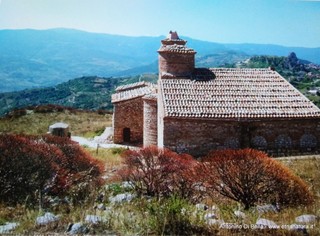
[284,22]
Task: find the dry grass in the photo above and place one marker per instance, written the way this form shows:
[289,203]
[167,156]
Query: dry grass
[308,169]
[81,123]
[111,157]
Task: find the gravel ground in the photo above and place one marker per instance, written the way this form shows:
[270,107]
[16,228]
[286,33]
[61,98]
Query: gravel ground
[103,140]
[93,144]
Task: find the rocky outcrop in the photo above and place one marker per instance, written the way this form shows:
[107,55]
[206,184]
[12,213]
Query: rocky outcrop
[292,61]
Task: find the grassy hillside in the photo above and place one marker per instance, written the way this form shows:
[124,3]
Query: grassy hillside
[36,120]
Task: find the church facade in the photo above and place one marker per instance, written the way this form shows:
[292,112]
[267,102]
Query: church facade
[196,110]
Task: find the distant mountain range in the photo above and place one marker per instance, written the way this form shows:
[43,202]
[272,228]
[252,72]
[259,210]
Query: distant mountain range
[42,58]
[94,93]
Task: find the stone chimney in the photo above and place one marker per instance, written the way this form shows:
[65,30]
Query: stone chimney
[175,58]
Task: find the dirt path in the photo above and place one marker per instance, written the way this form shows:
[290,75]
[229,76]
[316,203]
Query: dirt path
[93,143]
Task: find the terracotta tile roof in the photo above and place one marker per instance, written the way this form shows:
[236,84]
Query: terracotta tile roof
[202,74]
[151,96]
[131,91]
[131,86]
[234,94]
[176,48]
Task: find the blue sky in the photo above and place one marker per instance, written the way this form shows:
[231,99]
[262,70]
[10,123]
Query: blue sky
[283,22]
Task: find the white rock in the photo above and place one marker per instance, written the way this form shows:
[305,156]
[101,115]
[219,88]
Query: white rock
[123,197]
[101,207]
[210,215]
[201,207]
[214,208]
[93,219]
[46,219]
[8,227]
[78,228]
[306,219]
[127,184]
[239,214]
[264,223]
[214,222]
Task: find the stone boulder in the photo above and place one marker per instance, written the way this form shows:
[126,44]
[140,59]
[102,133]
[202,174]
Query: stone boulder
[305,219]
[59,129]
[93,219]
[46,219]
[201,207]
[120,198]
[7,227]
[77,228]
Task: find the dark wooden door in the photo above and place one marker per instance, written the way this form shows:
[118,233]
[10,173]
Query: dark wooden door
[126,135]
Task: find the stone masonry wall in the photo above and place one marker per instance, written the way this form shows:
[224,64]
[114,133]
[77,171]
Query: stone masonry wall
[176,64]
[277,138]
[128,115]
[150,127]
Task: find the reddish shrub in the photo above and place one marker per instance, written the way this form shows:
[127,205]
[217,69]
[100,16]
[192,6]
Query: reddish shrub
[77,173]
[52,165]
[17,113]
[159,172]
[250,176]
[24,167]
[77,158]
[44,109]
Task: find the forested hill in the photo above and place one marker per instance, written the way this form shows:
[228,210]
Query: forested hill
[304,75]
[293,69]
[89,93]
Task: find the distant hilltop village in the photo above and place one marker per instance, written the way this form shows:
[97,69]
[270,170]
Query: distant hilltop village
[196,110]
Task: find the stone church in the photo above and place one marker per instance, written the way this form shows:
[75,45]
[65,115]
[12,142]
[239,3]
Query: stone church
[195,110]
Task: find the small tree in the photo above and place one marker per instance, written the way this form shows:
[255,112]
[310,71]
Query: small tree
[249,176]
[159,172]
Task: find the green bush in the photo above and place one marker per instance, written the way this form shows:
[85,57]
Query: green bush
[118,150]
[173,216]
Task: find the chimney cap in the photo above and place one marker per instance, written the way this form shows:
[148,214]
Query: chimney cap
[173,35]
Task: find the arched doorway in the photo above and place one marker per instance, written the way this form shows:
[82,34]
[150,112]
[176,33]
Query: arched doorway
[126,135]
